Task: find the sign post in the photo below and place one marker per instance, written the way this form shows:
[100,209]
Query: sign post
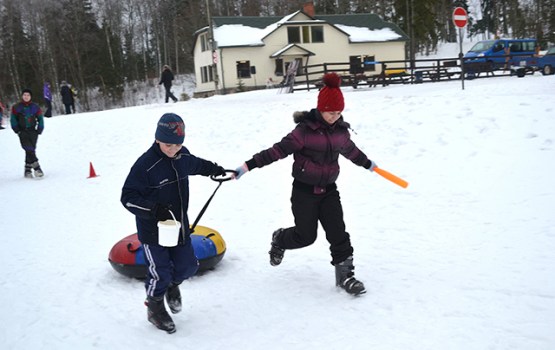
[460,19]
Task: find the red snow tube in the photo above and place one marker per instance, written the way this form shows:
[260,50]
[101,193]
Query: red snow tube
[127,255]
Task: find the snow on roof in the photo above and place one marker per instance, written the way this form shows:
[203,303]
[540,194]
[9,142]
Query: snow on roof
[358,34]
[241,35]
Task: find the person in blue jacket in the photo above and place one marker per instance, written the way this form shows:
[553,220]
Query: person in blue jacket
[157,183]
[47,94]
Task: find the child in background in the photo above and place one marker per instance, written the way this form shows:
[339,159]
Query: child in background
[27,122]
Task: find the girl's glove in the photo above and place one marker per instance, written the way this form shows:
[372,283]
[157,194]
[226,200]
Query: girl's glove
[240,171]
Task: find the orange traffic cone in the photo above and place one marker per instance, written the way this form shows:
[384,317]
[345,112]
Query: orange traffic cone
[92,173]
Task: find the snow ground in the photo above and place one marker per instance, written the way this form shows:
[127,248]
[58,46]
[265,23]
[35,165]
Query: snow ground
[461,259]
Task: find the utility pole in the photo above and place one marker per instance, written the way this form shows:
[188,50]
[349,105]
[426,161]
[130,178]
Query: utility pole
[213,47]
[410,30]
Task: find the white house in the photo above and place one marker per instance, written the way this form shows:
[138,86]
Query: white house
[249,51]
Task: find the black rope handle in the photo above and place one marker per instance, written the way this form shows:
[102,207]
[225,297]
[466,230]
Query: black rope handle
[229,175]
[221,180]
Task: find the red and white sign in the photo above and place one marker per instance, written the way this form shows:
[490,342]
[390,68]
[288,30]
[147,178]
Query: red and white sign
[215,57]
[460,17]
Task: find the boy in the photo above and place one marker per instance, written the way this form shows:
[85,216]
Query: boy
[157,183]
[27,122]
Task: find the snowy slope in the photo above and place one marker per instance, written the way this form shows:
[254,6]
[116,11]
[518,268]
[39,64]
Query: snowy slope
[461,259]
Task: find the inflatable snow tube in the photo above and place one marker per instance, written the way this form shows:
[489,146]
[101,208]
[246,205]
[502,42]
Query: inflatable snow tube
[127,257]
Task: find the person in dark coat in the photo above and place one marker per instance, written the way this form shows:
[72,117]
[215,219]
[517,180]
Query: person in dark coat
[47,94]
[320,136]
[67,97]
[28,123]
[157,183]
[166,79]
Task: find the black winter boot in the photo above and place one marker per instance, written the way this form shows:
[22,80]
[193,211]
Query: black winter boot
[157,314]
[345,277]
[28,171]
[276,252]
[37,169]
[173,297]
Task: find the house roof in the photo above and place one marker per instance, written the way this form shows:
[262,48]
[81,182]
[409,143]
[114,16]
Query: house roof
[364,20]
[292,49]
[250,30]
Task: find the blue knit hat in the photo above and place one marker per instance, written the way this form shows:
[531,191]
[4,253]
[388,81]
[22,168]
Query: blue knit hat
[170,129]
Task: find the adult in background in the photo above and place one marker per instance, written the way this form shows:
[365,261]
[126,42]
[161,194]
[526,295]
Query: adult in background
[157,183]
[320,136]
[47,94]
[2,111]
[67,97]
[28,123]
[166,79]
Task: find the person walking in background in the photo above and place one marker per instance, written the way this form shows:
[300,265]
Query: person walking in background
[47,94]
[316,142]
[67,97]
[28,123]
[157,183]
[2,112]
[166,79]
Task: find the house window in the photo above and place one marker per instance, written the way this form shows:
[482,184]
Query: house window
[293,35]
[206,74]
[243,69]
[361,64]
[279,67]
[204,43]
[368,66]
[317,34]
[305,34]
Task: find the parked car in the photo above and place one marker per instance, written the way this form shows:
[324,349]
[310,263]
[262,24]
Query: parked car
[494,53]
[546,63]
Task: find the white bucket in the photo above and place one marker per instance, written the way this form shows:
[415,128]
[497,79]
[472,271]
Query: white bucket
[168,232]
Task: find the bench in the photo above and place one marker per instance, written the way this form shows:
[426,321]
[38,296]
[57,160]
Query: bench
[396,74]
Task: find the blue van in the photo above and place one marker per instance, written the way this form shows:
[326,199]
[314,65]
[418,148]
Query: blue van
[494,51]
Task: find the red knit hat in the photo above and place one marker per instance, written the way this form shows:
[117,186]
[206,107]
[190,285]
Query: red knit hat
[330,98]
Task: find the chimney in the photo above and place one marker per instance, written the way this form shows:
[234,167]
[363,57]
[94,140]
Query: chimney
[308,8]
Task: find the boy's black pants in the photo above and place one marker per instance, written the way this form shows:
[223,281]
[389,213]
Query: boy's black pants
[28,140]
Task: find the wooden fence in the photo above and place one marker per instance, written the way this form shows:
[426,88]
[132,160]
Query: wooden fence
[406,72]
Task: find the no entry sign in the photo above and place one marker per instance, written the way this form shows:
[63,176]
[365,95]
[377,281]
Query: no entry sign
[460,17]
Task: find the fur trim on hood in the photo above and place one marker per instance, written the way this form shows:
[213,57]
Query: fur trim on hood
[299,116]
[305,116]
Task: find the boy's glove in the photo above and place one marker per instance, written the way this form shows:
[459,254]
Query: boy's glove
[372,166]
[162,212]
[240,171]
[220,171]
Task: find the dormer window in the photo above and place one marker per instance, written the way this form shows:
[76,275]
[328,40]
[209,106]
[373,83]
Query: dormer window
[305,34]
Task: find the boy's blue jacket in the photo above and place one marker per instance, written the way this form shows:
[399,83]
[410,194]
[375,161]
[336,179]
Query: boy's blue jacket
[157,179]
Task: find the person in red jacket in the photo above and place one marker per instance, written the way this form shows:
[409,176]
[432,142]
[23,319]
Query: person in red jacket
[320,136]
